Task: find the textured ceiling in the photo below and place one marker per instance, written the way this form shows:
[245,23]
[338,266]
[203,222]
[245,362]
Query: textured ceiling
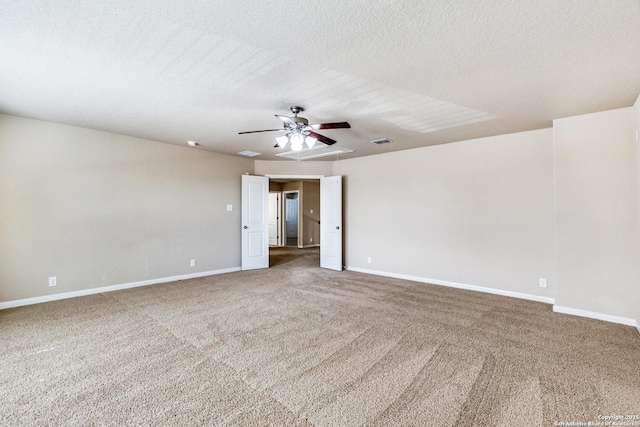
[416,72]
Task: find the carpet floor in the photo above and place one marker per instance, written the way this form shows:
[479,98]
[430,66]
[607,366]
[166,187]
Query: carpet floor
[296,345]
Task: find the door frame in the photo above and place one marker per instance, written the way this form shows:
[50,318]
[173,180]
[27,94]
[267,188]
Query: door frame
[301,177]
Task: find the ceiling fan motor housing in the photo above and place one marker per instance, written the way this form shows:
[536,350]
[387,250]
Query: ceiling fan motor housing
[300,121]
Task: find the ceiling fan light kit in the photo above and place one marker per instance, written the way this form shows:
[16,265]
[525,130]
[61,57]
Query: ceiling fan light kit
[282,141]
[300,132]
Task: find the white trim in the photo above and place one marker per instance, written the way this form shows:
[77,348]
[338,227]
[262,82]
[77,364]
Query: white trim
[272,176]
[494,291]
[92,291]
[598,316]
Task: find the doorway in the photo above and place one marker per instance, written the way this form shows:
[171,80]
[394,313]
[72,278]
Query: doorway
[299,215]
[291,203]
[255,213]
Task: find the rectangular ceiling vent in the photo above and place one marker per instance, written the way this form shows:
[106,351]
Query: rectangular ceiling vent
[249,153]
[381,141]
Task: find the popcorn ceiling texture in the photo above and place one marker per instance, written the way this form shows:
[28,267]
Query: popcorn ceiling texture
[419,73]
[296,345]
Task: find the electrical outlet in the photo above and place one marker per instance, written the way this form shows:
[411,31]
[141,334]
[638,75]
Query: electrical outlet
[53,281]
[193,263]
[543,283]
[368,260]
[310,239]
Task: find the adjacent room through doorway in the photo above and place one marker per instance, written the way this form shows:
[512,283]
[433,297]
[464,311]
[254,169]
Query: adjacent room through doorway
[294,213]
[291,206]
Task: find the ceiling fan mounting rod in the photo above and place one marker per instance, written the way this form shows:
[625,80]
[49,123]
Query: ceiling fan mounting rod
[295,109]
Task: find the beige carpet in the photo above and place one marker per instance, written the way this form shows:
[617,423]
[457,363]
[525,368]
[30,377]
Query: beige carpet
[296,345]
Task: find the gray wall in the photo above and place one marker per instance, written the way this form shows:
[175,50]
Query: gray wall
[477,212]
[502,212]
[311,202]
[597,217]
[98,209]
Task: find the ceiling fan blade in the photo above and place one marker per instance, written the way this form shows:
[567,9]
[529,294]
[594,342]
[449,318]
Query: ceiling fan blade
[287,120]
[266,130]
[322,138]
[338,125]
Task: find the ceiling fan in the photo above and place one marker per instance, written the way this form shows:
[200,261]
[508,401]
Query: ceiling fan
[299,131]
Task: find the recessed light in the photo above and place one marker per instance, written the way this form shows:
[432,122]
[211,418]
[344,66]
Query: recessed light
[192,143]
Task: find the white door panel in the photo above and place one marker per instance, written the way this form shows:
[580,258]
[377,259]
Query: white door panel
[331,223]
[274,219]
[255,224]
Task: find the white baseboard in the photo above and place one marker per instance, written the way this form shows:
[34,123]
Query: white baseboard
[315,245]
[494,291]
[598,316]
[92,291]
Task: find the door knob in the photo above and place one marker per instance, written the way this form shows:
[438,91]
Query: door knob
[245,227]
[338,227]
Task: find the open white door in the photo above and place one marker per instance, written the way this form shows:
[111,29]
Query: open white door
[331,222]
[255,223]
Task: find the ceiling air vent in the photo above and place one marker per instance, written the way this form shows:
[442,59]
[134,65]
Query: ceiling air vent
[381,141]
[249,153]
